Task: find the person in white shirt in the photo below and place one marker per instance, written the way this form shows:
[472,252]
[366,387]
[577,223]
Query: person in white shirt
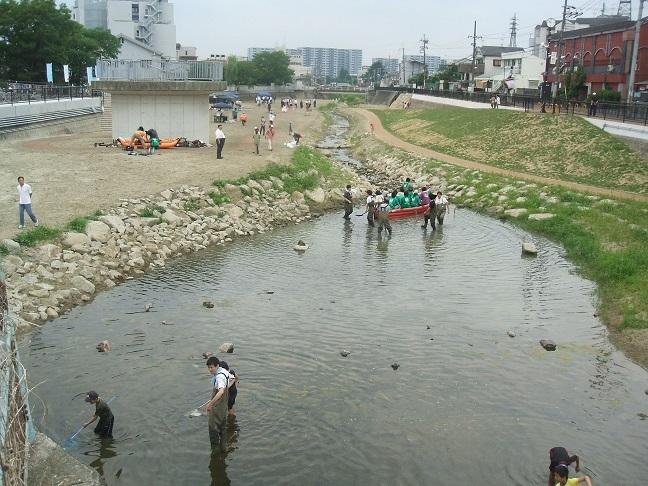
[440,206]
[383,213]
[221,381]
[25,202]
[220,141]
[371,205]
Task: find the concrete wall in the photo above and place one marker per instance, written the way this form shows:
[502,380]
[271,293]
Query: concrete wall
[172,115]
[65,126]
[40,107]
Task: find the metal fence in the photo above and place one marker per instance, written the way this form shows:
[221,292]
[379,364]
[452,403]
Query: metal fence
[16,93]
[14,409]
[607,110]
[159,70]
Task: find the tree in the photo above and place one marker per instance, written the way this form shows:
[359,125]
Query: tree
[344,76]
[575,83]
[35,32]
[272,67]
[375,73]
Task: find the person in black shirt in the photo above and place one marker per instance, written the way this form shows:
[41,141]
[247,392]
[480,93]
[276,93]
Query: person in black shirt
[102,412]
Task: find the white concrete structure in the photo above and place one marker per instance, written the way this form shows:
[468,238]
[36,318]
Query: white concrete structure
[150,22]
[186,53]
[173,109]
[132,49]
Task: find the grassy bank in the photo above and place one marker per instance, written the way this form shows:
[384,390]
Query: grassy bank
[561,147]
[306,171]
[607,239]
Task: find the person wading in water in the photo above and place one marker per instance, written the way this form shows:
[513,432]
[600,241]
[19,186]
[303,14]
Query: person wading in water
[217,406]
[383,213]
[348,202]
[371,204]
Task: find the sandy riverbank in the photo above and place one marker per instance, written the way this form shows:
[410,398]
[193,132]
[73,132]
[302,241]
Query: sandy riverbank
[71,177]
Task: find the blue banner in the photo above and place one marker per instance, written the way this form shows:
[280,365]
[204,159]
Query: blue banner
[50,73]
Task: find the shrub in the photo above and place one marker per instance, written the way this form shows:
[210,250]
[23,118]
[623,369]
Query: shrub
[33,236]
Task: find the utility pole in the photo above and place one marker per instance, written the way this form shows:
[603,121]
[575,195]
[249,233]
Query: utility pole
[424,47]
[474,37]
[603,10]
[635,54]
[560,47]
[403,63]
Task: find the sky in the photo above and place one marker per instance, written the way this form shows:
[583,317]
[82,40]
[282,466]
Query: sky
[381,28]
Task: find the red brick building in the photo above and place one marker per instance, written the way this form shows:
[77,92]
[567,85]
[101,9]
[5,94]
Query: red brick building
[605,51]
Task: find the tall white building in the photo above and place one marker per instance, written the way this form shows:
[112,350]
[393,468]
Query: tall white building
[327,61]
[433,62]
[389,64]
[146,22]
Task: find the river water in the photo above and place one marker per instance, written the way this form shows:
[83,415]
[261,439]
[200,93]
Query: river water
[468,405]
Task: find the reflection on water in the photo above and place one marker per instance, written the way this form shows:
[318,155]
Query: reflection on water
[468,405]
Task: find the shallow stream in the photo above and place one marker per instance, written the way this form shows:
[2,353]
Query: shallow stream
[468,405]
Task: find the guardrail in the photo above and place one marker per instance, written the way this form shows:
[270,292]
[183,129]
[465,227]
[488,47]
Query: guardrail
[159,70]
[35,93]
[15,425]
[636,112]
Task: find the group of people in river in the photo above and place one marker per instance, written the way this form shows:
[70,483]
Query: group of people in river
[379,204]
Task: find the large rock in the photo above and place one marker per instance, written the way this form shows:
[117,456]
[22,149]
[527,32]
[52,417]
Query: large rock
[167,194]
[115,222]
[233,192]
[297,196]
[13,247]
[252,184]
[548,344]
[170,217]
[235,212]
[540,216]
[72,239]
[83,284]
[529,248]
[98,231]
[515,213]
[49,251]
[226,348]
[317,195]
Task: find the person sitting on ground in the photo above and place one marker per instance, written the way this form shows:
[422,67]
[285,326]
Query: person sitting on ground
[154,138]
[407,185]
[394,200]
[562,473]
[297,137]
[139,136]
[424,196]
[558,456]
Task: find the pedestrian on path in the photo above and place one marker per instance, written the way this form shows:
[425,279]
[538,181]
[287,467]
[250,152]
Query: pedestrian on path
[498,101]
[348,202]
[25,203]
[256,138]
[593,105]
[269,135]
[372,128]
[220,141]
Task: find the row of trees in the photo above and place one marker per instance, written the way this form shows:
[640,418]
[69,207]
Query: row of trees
[264,69]
[36,32]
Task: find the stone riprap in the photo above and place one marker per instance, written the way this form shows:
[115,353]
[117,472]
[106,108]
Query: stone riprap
[46,281]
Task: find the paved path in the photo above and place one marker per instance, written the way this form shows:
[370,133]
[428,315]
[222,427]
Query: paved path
[391,139]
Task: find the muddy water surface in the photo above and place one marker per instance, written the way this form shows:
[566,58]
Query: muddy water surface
[468,405]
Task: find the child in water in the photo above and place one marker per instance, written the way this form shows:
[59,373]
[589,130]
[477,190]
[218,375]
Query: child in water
[562,473]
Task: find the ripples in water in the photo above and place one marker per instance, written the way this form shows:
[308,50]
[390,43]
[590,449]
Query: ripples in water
[468,405]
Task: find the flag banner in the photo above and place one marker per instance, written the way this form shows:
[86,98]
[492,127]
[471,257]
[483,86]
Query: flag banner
[90,75]
[50,72]
[66,73]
